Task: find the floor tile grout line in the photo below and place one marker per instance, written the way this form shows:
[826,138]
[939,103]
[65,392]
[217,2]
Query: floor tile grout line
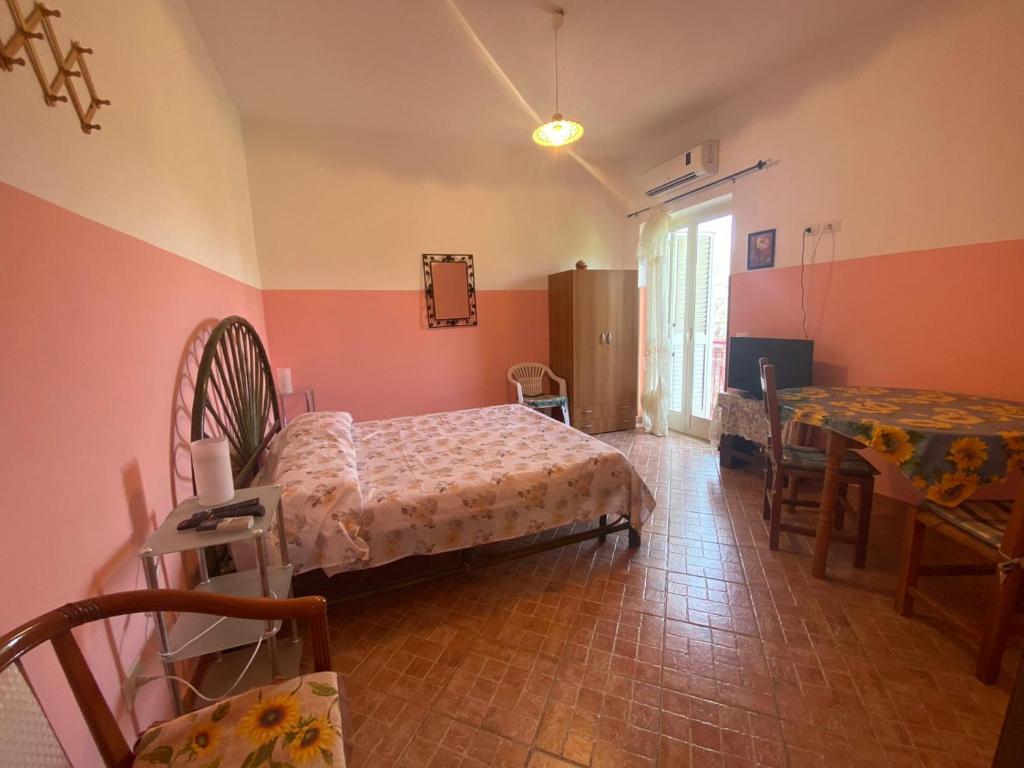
[826,631]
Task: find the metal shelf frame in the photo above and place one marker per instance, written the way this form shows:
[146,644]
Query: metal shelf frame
[182,641]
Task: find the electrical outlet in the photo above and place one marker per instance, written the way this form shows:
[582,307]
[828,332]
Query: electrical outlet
[811,230]
[131,683]
[834,226]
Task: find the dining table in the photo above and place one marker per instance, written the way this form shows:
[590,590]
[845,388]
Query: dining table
[949,445]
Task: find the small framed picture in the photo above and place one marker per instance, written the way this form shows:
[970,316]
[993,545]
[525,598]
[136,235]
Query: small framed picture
[761,249]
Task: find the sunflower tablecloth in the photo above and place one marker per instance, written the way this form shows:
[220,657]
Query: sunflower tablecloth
[947,444]
[294,723]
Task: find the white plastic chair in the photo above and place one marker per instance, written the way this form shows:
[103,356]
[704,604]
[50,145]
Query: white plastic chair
[528,379]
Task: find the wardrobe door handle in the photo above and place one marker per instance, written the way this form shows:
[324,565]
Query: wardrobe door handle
[609,338]
[600,339]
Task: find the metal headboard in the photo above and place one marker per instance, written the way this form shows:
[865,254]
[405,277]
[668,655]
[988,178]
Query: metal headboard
[235,395]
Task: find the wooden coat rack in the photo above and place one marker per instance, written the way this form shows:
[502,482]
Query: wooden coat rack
[69,66]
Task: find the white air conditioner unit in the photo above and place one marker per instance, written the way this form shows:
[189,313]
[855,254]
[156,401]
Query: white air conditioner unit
[666,177]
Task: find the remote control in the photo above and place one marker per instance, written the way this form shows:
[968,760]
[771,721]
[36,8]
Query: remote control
[256,510]
[228,524]
[220,511]
[251,507]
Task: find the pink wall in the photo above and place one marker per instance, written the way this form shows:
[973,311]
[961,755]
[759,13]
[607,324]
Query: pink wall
[100,330]
[94,327]
[946,318]
[371,353]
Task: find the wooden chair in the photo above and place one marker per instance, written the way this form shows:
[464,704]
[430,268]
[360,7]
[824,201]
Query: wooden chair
[528,380]
[788,466]
[994,530]
[56,627]
[1010,751]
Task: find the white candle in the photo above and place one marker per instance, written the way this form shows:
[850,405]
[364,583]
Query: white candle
[284,380]
[211,470]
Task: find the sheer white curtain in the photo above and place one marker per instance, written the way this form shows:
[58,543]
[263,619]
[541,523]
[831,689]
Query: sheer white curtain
[653,253]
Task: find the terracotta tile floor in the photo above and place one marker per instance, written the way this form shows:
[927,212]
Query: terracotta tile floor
[703,648]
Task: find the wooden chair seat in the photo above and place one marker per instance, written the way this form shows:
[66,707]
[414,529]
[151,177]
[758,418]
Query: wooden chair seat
[813,459]
[325,714]
[992,529]
[985,521]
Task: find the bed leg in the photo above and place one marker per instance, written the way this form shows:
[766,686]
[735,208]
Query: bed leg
[634,538]
[602,523]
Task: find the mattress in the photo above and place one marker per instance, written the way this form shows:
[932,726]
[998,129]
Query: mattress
[428,484]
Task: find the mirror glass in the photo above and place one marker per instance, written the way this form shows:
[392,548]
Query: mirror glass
[451,294]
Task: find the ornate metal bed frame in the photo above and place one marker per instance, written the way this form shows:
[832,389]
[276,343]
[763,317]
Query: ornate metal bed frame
[235,396]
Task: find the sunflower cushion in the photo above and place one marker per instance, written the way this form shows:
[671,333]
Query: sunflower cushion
[294,723]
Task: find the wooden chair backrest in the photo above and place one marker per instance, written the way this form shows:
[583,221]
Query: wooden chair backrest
[55,627]
[770,396]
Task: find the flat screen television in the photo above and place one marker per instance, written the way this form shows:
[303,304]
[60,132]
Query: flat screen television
[792,359]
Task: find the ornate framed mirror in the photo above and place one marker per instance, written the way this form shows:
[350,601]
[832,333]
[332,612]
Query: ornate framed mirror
[450,285]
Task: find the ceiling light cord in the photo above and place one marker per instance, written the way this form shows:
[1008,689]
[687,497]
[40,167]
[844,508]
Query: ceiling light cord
[556,69]
[558,131]
[803,290]
[556,23]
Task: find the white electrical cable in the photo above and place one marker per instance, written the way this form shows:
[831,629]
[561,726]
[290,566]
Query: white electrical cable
[143,680]
[259,642]
[803,292]
[176,651]
[803,266]
[814,256]
[222,619]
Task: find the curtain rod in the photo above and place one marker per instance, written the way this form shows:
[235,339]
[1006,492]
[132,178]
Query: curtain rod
[731,177]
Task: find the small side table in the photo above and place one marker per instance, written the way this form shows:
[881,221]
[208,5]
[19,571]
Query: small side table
[194,635]
[739,430]
[307,393]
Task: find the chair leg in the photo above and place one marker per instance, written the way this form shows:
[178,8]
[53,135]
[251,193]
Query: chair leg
[839,516]
[774,527]
[993,640]
[766,511]
[910,563]
[565,414]
[866,496]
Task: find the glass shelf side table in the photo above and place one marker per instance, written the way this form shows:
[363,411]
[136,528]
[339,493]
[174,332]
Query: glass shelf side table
[193,635]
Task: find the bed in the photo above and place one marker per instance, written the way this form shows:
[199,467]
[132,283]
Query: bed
[361,495]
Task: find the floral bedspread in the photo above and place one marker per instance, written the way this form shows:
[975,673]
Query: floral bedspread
[947,444]
[447,481]
[314,462]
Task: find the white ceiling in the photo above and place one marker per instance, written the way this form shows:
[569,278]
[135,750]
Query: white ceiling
[630,69]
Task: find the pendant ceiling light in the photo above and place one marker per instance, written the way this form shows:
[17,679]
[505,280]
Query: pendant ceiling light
[558,131]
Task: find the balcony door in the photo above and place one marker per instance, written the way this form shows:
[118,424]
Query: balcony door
[701,247]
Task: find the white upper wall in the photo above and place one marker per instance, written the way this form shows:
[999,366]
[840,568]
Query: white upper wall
[911,134]
[344,209]
[168,165]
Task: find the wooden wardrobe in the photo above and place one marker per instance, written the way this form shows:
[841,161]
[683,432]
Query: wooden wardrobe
[593,329]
